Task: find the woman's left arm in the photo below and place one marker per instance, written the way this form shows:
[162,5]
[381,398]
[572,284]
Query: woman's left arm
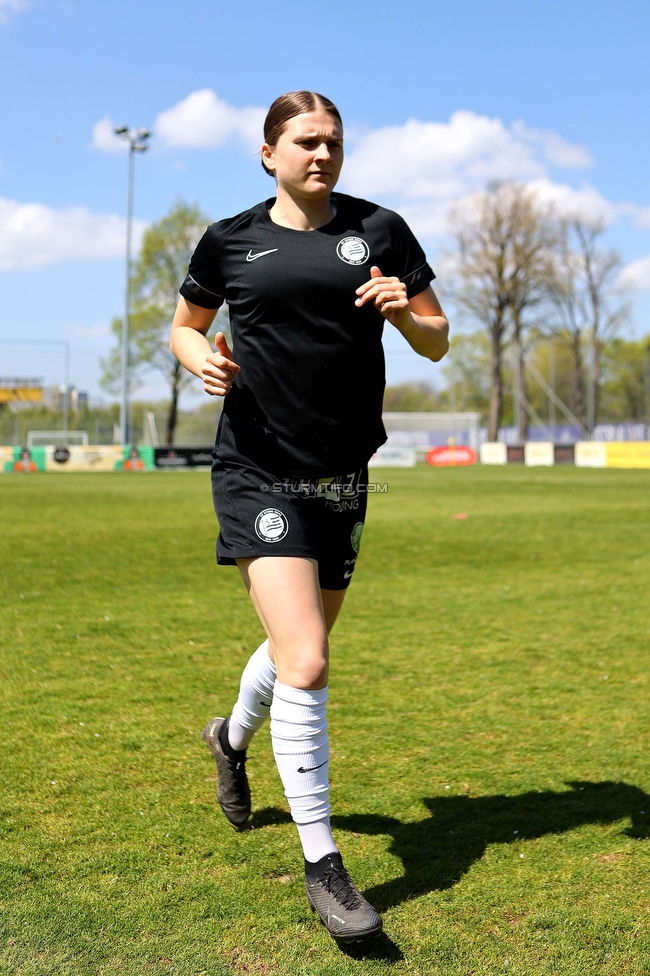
[420,319]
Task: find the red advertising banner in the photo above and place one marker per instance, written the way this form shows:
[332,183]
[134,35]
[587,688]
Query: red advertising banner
[451,457]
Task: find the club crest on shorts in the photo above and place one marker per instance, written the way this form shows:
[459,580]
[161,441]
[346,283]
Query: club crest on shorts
[271,525]
[355,537]
[353,250]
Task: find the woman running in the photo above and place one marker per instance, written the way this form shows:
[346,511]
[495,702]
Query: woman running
[309,278]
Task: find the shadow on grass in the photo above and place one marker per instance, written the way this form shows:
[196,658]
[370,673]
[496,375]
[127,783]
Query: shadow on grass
[381,947]
[437,851]
[267,817]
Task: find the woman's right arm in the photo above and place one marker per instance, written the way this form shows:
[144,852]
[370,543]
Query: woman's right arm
[189,344]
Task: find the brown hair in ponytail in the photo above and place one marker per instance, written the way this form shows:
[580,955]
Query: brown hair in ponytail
[287,107]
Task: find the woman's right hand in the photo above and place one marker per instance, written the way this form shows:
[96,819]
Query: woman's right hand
[219,369]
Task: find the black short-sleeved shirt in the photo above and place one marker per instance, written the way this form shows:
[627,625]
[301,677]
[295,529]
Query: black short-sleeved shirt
[308,399]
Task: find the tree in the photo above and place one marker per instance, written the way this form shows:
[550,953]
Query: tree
[589,303]
[467,371]
[607,313]
[625,380]
[407,397]
[534,235]
[568,294]
[503,265]
[167,247]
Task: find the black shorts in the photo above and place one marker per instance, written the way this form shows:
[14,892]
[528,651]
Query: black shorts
[263,515]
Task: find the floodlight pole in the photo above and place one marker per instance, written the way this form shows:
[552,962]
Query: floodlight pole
[124,408]
[137,143]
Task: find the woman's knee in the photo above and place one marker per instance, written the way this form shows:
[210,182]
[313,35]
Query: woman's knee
[303,664]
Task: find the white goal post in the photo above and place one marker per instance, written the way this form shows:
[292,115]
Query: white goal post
[50,438]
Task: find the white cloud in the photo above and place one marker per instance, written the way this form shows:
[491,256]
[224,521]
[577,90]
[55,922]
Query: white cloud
[9,7]
[636,276]
[439,160]
[556,150]
[33,235]
[105,139]
[585,202]
[205,121]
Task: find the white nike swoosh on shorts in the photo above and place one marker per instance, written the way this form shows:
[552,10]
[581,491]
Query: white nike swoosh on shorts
[260,254]
[348,574]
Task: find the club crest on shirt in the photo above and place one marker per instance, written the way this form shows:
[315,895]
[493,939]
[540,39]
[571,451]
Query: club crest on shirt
[271,525]
[353,250]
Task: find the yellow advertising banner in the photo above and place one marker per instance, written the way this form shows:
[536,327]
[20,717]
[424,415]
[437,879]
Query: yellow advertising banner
[627,454]
[21,394]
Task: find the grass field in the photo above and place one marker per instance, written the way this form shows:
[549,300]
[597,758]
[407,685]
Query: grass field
[489,728]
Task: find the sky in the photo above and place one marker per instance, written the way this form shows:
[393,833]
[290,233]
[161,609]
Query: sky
[437,100]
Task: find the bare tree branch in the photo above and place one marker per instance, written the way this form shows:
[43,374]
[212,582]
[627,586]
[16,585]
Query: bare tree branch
[504,267]
[589,304]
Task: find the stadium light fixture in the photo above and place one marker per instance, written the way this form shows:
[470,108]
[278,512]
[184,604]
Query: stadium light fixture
[137,141]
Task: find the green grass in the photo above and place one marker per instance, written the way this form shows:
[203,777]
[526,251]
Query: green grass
[489,728]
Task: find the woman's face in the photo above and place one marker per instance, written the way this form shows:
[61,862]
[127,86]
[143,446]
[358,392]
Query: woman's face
[307,158]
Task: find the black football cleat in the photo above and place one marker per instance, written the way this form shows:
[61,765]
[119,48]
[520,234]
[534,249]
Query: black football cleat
[344,911]
[233,791]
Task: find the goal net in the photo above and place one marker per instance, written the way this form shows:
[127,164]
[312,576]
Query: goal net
[47,438]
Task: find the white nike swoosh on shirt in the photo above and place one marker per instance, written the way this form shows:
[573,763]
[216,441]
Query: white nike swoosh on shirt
[260,254]
[348,574]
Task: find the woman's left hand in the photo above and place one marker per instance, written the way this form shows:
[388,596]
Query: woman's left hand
[388,294]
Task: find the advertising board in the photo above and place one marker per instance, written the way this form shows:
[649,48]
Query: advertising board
[178,458]
[22,460]
[539,454]
[76,458]
[493,452]
[628,454]
[101,457]
[17,392]
[590,454]
[452,456]
[6,459]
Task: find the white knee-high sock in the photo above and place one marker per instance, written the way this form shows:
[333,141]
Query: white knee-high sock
[316,839]
[255,696]
[301,750]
